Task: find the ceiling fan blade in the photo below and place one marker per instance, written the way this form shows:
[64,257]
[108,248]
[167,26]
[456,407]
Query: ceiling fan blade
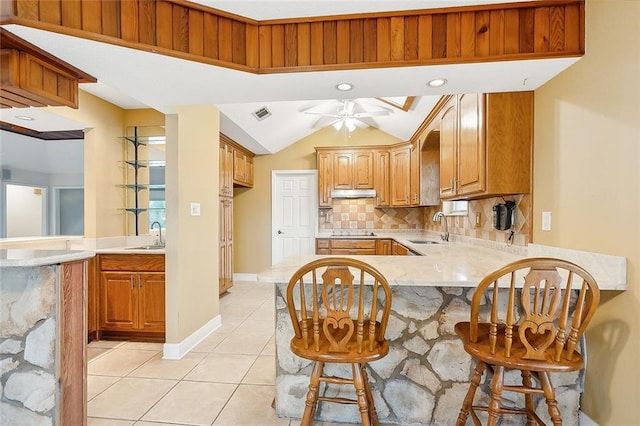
[370,114]
[323,114]
[348,108]
[360,123]
[324,121]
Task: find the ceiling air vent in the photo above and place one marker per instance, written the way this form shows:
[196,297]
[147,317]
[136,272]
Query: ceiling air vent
[262,113]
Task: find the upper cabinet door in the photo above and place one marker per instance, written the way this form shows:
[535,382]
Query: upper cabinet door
[471,145]
[400,167]
[448,142]
[363,169]
[343,170]
[324,161]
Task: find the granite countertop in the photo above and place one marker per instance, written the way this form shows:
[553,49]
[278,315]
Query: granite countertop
[29,257]
[459,263]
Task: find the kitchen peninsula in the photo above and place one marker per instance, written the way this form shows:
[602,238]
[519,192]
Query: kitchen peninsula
[43,335]
[424,377]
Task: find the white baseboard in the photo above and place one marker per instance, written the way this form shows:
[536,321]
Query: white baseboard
[585,420]
[245,277]
[178,350]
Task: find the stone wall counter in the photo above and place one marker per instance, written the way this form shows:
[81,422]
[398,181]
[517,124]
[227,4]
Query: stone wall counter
[43,337]
[423,379]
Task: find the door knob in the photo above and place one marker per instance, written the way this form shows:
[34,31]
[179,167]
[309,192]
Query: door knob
[280,232]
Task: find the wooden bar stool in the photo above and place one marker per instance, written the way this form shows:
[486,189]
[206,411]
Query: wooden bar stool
[534,330]
[339,308]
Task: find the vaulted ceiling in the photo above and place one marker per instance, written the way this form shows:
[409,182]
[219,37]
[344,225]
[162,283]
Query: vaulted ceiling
[134,74]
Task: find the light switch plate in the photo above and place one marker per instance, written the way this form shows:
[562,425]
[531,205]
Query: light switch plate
[546,221]
[195,209]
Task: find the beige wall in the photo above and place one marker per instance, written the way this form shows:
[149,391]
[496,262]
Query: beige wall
[252,207]
[587,156]
[192,241]
[102,164]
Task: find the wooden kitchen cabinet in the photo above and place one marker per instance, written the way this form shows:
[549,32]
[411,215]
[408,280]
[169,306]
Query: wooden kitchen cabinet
[383,247]
[381,168]
[225,251]
[400,175]
[353,169]
[242,168]
[485,145]
[225,169]
[338,246]
[132,297]
[324,161]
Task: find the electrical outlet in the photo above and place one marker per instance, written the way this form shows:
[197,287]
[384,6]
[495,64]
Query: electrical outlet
[546,221]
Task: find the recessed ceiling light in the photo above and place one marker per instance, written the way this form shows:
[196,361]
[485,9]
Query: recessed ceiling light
[438,82]
[24,117]
[344,87]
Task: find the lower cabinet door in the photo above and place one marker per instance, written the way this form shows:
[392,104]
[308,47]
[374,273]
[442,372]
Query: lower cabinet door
[151,302]
[119,307]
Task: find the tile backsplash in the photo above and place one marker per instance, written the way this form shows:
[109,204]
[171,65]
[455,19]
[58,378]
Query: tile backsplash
[362,214]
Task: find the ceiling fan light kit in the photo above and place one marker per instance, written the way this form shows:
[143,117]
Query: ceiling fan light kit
[347,117]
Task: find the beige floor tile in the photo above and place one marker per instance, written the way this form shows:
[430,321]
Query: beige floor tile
[194,403]
[262,372]
[97,384]
[222,368]
[109,344]
[143,423]
[266,312]
[229,325]
[93,421]
[250,405]
[146,346]
[270,347]
[210,342]
[250,326]
[120,362]
[239,310]
[158,368]
[250,344]
[93,353]
[129,398]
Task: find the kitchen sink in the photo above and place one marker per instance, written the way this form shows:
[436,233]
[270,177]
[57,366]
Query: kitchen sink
[150,247]
[423,242]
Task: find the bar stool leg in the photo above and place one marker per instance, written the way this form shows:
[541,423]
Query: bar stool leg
[311,402]
[550,396]
[528,398]
[373,414]
[361,397]
[468,399]
[496,393]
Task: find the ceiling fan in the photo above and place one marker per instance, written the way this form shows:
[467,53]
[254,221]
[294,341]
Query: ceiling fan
[347,114]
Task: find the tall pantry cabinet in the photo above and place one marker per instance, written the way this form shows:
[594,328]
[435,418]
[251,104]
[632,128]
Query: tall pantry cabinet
[236,168]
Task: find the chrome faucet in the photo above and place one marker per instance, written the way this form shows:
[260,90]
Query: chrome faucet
[159,242]
[439,216]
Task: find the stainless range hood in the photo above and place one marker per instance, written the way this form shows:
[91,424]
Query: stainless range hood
[353,193]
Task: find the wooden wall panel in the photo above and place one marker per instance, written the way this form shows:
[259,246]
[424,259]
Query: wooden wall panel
[71,14]
[147,22]
[238,43]
[304,44]
[111,18]
[475,33]
[453,35]
[130,21]
[425,37]
[290,45]
[196,32]
[51,12]
[211,42]
[439,34]
[356,41]
[180,31]
[277,51]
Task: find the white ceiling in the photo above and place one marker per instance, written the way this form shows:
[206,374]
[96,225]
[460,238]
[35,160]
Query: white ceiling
[137,79]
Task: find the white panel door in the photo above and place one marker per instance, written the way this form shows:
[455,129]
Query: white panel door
[295,213]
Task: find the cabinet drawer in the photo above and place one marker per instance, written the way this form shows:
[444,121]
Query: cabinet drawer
[131,262]
[322,243]
[353,244]
[353,251]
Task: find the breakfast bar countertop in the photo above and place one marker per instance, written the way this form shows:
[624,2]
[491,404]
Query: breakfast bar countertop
[460,263]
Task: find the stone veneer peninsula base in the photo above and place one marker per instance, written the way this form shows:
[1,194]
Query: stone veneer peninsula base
[43,337]
[425,376]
